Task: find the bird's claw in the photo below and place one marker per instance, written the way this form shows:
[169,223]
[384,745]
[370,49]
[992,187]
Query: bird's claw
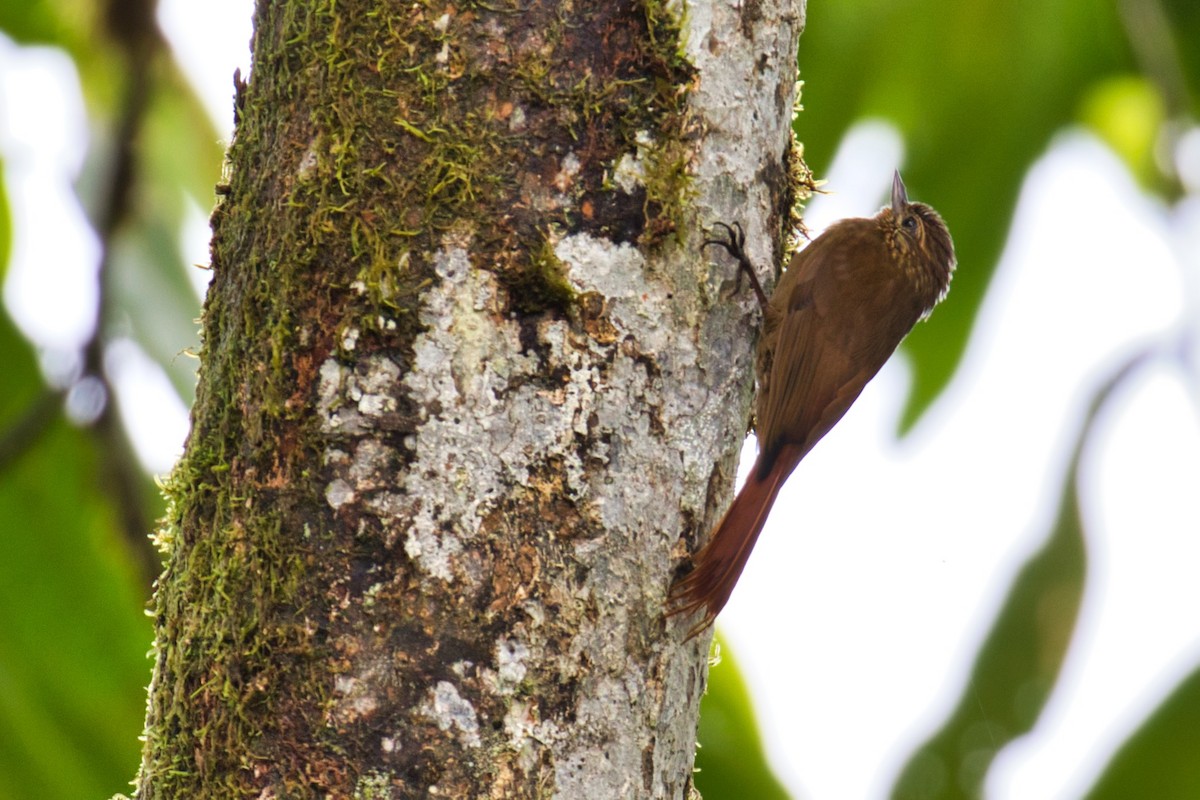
[734,244]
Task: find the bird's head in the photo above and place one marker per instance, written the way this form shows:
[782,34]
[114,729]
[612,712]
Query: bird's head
[919,242]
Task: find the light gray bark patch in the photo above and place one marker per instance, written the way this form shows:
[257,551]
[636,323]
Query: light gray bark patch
[447,708]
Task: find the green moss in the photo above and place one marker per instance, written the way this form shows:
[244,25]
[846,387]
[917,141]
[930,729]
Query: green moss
[669,189]
[233,636]
[800,184]
[543,284]
[639,102]
[668,181]
[374,786]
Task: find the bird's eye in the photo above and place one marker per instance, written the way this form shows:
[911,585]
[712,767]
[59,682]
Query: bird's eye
[909,223]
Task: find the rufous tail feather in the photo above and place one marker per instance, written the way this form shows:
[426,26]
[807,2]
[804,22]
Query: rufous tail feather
[719,563]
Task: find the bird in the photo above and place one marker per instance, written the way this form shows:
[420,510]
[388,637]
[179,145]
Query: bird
[837,314]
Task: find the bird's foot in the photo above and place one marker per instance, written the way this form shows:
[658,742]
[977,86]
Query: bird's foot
[734,243]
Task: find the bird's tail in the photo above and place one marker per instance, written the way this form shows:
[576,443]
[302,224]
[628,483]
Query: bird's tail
[719,563]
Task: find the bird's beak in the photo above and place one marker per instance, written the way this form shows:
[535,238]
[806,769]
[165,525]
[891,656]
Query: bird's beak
[899,194]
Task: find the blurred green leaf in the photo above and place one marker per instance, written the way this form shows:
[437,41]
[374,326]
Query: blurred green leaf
[20,380]
[1128,112]
[1180,22]
[5,226]
[33,21]
[72,640]
[73,25]
[730,761]
[1019,661]
[1015,670]
[153,298]
[1159,760]
[182,150]
[72,637]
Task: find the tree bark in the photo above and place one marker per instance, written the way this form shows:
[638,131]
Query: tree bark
[470,393]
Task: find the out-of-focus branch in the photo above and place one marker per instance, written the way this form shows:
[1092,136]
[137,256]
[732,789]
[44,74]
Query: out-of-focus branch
[132,28]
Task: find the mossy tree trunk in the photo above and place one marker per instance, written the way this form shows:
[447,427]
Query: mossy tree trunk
[470,392]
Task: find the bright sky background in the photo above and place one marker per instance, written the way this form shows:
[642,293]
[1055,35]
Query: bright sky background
[884,601]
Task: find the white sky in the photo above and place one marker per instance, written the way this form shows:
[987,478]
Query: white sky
[884,601]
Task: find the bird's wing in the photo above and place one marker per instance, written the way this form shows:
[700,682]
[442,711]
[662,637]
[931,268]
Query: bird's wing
[828,344]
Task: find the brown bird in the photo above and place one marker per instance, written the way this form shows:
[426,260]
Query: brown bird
[839,311]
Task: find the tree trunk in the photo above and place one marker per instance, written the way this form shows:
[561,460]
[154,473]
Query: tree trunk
[470,393]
